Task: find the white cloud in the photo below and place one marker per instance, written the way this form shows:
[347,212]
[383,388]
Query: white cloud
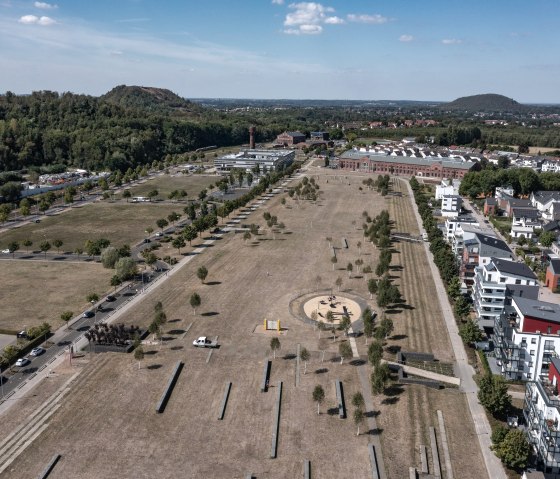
[45,6]
[406,38]
[307,18]
[35,20]
[373,19]
[334,20]
[451,41]
[278,2]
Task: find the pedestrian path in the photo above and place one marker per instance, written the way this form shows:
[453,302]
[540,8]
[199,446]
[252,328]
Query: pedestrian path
[463,369]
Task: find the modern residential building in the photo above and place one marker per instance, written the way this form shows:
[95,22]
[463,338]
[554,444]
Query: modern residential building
[526,338]
[290,138]
[478,249]
[454,226]
[319,136]
[248,159]
[447,187]
[547,203]
[509,204]
[451,205]
[525,222]
[552,278]
[382,162]
[541,410]
[490,284]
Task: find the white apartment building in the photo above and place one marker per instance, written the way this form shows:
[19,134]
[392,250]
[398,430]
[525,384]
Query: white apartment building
[526,337]
[542,416]
[451,205]
[490,283]
[454,226]
[447,187]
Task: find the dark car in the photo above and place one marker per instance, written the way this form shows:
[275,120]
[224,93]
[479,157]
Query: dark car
[147,240]
[88,314]
[110,298]
[22,335]
[37,221]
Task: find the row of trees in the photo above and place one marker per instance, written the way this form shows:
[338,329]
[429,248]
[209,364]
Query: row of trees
[523,181]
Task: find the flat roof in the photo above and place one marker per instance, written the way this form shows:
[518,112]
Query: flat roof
[538,309]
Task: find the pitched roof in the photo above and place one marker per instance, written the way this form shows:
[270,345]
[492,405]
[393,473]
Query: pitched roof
[294,133]
[519,203]
[489,243]
[551,226]
[529,213]
[554,265]
[491,201]
[428,161]
[545,196]
[513,267]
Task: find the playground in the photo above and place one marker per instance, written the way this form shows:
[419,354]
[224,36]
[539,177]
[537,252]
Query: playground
[338,305]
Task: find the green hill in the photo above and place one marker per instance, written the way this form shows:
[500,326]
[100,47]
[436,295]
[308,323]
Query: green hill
[149,98]
[486,102]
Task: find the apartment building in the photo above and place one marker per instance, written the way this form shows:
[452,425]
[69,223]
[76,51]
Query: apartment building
[451,205]
[526,338]
[490,288]
[541,410]
[478,249]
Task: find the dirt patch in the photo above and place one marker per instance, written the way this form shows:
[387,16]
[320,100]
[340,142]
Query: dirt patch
[33,293]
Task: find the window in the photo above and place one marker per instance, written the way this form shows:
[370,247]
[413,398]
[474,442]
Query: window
[517,281]
[532,352]
[502,280]
[533,340]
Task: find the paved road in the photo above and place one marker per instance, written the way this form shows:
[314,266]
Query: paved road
[15,377]
[20,380]
[462,367]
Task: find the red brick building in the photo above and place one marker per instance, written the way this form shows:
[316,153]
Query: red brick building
[552,279]
[429,167]
[290,138]
[490,206]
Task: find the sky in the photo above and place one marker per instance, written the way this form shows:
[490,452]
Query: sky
[339,49]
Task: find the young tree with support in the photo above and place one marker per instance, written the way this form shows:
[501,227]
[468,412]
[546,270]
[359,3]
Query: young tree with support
[318,396]
[304,356]
[195,302]
[274,345]
[345,351]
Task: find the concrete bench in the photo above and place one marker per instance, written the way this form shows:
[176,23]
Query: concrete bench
[266,376]
[50,466]
[373,459]
[224,401]
[276,429]
[160,407]
[340,399]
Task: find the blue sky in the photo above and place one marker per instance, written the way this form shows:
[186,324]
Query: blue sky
[340,49]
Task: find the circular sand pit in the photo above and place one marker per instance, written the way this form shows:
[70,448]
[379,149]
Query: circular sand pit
[337,304]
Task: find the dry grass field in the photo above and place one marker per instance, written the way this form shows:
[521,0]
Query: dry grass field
[120,222]
[165,184]
[35,292]
[118,433]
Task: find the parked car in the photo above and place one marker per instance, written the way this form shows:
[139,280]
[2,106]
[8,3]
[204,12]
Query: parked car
[204,342]
[37,221]
[22,362]
[22,335]
[37,351]
[6,251]
[110,298]
[159,234]
[147,240]
[88,314]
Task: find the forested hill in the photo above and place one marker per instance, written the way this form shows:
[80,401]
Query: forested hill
[48,128]
[486,102]
[151,99]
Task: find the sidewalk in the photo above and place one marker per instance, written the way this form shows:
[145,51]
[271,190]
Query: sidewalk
[463,369]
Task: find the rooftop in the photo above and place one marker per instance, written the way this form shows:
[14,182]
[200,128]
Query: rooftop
[538,309]
[491,242]
[554,265]
[546,196]
[383,156]
[529,213]
[491,201]
[512,267]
